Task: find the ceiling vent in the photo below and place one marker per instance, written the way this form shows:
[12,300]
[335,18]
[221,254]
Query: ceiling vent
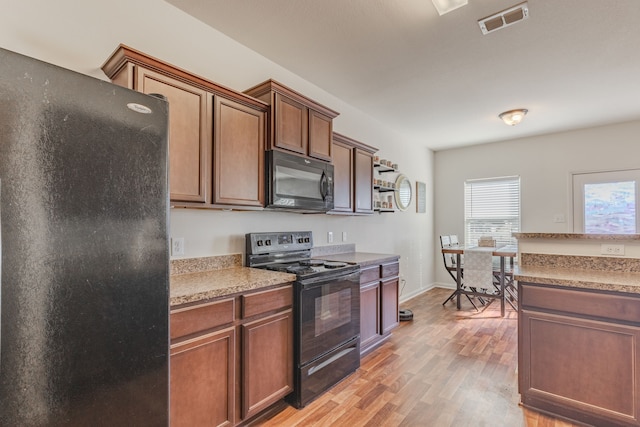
[503,19]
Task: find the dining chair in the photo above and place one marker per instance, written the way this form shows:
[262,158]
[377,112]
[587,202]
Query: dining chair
[452,268]
[479,271]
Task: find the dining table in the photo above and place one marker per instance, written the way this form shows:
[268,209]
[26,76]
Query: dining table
[506,290]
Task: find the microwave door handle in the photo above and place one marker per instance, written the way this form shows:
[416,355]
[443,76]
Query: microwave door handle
[324,185]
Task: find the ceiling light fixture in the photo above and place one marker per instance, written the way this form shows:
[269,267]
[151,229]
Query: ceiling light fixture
[446,6]
[513,117]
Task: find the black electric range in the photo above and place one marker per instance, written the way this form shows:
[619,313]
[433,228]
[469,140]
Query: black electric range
[326,307]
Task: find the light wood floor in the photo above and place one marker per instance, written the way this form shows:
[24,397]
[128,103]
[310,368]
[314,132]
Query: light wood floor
[444,368]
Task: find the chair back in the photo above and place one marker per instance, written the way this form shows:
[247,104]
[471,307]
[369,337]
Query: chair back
[449,259]
[454,240]
[478,269]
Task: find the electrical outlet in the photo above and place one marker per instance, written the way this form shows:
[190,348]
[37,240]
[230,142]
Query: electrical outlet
[344,236]
[329,236]
[177,246]
[612,249]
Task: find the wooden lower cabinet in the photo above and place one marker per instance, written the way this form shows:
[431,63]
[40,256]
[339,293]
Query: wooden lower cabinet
[268,366]
[370,331]
[203,380]
[378,304]
[579,354]
[231,358]
[390,310]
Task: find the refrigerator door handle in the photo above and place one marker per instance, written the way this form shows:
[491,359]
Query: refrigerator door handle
[0,274]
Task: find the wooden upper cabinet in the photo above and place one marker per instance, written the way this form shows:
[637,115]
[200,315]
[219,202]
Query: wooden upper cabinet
[189,137]
[238,158]
[298,124]
[291,127]
[320,135]
[215,154]
[342,176]
[353,175]
[363,172]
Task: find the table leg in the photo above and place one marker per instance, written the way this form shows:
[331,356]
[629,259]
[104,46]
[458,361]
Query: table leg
[502,291]
[458,280]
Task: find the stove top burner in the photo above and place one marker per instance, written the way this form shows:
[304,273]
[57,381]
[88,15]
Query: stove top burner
[295,267]
[334,264]
[309,267]
[312,262]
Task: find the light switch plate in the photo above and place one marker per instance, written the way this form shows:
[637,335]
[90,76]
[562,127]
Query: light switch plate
[177,246]
[607,249]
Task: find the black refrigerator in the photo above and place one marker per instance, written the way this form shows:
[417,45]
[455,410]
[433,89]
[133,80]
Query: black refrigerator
[84,269]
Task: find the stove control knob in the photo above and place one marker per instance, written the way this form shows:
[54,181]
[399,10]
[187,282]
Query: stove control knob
[267,243]
[300,239]
[306,240]
[260,243]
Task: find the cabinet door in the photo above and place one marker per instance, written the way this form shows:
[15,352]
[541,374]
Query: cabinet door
[189,133]
[203,380]
[369,314]
[267,374]
[238,160]
[390,311]
[580,368]
[342,177]
[363,173]
[320,136]
[291,125]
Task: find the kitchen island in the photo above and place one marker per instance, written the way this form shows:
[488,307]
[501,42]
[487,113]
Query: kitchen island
[579,328]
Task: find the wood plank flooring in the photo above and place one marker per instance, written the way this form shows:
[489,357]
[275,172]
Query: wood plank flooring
[444,368]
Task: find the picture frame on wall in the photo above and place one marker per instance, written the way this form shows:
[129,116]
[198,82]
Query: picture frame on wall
[421,197]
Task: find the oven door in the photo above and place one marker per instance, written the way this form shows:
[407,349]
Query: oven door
[298,183]
[329,314]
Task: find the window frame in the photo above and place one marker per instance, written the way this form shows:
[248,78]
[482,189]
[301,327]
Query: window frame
[512,214]
[579,179]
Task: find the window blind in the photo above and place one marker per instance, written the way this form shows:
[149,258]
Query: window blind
[492,208]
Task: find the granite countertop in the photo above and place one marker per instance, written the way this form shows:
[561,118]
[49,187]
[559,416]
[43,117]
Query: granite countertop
[362,258]
[194,286]
[617,281]
[200,279]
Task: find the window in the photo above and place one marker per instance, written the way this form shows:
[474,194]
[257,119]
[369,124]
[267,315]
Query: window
[492,208]
[606,202]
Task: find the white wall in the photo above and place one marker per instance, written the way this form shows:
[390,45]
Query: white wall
[544,163]
[81,36]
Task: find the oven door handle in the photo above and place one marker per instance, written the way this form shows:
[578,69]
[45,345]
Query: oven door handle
[322,280]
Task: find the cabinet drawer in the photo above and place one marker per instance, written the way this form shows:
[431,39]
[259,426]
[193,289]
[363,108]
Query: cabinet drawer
[369,274]
[587,303]
[198,318]
[391,269]
[263,302]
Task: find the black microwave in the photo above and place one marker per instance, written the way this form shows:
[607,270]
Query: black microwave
[298,183]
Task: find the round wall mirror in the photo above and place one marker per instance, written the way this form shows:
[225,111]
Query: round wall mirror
[403,192]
